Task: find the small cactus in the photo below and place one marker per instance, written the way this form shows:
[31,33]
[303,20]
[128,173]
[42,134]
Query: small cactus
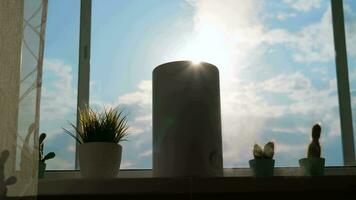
[314,149]
[257,151]
[267,152]
[48,156]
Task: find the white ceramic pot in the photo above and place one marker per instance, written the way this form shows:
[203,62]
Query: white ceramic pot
[99,159]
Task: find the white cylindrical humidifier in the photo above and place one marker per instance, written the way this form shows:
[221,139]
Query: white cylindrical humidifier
[186,120]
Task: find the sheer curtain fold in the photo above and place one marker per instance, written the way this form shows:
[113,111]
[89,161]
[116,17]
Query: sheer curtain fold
[22,28]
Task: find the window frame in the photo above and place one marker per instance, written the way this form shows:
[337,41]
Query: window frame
[343,82]
[342,76]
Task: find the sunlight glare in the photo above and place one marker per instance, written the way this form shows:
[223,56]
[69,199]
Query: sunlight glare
[208,44]
[195,62]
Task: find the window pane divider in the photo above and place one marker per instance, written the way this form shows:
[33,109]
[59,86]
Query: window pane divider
[84,62]
[342,77]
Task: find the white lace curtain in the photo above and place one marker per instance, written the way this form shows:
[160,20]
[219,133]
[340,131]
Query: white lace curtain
[22,25]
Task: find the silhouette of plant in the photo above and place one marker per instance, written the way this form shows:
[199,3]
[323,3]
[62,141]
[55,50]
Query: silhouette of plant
[108,126]
[314,148]
[48,156]
[5,182]
[28,161]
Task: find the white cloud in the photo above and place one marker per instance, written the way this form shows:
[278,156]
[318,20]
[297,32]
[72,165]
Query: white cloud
[141,103]
[246,112]
[303,5]
[58,96]
[284,15]
[291,130]
[71,148]
[295,84]
[126,164]
[60,163]
[137,105]
[290,149]
[244,117]
[226,32]
[143,97]
[350,27]
[147,153]
[320,70]
[245,97]
[352,74]
[335,131]
[313,43]
[306,98]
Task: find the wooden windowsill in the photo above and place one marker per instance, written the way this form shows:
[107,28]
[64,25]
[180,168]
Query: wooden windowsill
[186,188]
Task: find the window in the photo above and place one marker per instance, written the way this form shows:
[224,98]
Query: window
[130,38]
[350,26]
[276,62]
[59,85]
[276,66]
[286,82]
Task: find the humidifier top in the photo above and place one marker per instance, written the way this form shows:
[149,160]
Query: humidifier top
[186,64]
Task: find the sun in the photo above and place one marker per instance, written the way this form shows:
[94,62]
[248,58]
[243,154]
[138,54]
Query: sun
[195,62]
[208,44]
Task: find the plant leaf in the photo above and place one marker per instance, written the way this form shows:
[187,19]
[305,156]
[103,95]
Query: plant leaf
[72,135]
[50,155]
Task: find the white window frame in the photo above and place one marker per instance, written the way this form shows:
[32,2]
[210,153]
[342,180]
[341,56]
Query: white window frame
[84,62]
[342,76]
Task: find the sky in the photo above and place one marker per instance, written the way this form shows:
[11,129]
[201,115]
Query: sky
[276,63]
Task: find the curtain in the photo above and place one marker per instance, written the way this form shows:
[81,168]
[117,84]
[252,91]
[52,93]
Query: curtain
[22,28]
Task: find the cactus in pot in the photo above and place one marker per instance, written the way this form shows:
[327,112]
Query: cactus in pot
[42,158]
[314,149]
[263,162]
[314,164]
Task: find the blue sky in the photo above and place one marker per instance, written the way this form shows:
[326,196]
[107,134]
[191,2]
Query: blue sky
[276,63]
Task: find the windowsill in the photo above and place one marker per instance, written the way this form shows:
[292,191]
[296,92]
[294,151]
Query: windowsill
[141,182]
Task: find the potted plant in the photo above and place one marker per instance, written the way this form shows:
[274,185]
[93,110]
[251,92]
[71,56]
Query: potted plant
[314,164]
[42,159]
[99,135]
[263,162]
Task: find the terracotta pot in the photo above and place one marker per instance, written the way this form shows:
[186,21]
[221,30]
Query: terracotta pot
[99,159]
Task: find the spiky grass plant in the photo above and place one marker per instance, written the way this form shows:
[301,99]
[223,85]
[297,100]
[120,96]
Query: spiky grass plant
[107,126]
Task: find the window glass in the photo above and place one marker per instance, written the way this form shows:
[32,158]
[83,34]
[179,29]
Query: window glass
[59,85]
[350,28]
[276,62]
